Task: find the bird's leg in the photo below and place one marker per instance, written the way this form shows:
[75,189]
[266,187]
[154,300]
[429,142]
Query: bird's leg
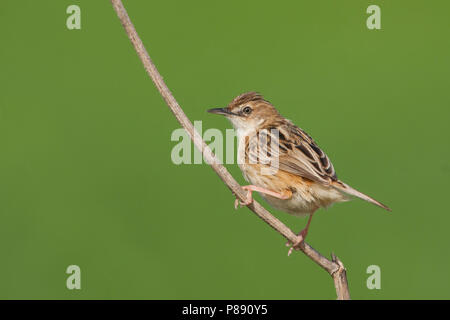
[251,188]
[302,235]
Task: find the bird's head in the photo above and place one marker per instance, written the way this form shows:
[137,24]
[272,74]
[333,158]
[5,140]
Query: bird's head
[249,111]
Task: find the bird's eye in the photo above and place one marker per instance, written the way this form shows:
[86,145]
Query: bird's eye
[247,110]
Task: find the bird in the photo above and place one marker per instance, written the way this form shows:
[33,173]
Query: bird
[283,163]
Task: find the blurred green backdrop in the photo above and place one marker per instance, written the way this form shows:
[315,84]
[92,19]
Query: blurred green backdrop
[86,176]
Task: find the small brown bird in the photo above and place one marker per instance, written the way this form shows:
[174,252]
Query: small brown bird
[282,162]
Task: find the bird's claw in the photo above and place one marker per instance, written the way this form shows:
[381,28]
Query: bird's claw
[247,202]
[300,238]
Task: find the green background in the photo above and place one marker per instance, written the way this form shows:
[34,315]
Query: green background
[86,176]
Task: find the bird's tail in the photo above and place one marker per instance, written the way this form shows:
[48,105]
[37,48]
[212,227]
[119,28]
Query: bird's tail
[341,186]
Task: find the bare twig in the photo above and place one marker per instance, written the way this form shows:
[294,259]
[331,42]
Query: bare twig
[340,280]
[334,267]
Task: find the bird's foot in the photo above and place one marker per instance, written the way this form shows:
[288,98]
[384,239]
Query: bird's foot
[300,238]
[250,188]
[248,201]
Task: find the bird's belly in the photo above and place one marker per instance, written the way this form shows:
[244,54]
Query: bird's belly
[296,206]
[307,196]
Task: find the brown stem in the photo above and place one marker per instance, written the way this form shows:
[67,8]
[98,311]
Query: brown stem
[334,268]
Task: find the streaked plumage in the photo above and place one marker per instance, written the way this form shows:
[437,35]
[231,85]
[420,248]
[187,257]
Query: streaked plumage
[305,179]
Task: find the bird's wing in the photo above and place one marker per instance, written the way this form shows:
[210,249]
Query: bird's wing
[296,152]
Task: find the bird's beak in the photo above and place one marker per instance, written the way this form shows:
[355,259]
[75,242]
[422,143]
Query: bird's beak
[222,111]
